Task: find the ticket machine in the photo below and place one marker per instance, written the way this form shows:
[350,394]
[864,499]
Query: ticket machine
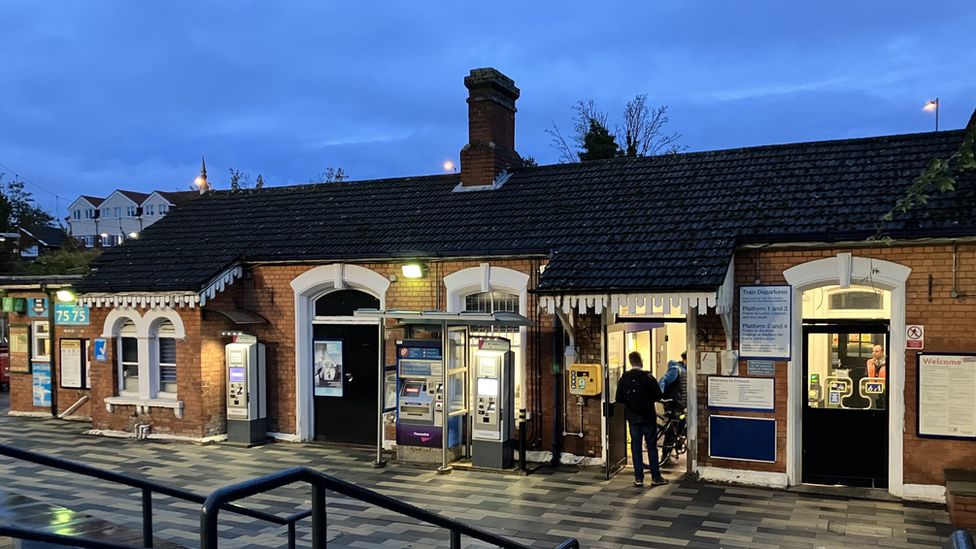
[493,416]
[246,392]
[420,402]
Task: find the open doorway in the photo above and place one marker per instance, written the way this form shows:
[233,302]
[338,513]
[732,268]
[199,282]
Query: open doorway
[845,413]
[658,340]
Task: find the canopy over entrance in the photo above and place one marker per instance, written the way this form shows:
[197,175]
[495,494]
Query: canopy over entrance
[447,322]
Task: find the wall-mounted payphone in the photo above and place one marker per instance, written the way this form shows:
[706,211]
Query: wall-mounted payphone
[493,417]
[246,393]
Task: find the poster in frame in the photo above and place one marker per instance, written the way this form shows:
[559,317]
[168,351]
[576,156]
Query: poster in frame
[327,367]
[20,349]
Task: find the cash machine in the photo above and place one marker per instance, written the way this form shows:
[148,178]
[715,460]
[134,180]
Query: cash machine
[246,393]
[493,415]
[420,403]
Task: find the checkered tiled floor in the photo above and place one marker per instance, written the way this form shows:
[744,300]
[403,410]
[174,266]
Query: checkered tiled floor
[541,510]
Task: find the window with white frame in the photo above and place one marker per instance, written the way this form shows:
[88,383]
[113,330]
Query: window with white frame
[163,208]
[166,358]
[130,211]
[76,214]
[89,241]
[118,211]
[128,353]
[106,213]
[494,302]
[106,241]
[90,213]
[41,342]
[149,210]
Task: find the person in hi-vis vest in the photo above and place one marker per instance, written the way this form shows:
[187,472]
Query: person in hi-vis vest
[876,364]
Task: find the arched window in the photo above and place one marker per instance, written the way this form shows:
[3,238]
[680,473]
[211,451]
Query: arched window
[128,353]
[344,302]
[166,359]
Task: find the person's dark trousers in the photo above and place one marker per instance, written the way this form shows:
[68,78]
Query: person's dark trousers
[641,433]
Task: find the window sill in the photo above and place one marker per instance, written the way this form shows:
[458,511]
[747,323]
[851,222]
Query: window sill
[145,406]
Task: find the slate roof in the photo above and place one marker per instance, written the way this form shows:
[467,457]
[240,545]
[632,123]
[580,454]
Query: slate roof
[93,200]
[178,198]
[664,223]
[134,196]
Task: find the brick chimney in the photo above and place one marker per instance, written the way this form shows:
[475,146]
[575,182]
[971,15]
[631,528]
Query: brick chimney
[491,128]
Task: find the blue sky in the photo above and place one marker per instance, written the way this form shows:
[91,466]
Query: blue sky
[96,96]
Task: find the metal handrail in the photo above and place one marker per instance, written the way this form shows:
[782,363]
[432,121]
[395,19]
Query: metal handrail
[147,487]
[223,498]
[320,483]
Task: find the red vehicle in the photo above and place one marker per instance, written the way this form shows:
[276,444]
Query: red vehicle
[4,369]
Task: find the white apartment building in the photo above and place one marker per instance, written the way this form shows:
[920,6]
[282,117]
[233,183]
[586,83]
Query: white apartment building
[104,222]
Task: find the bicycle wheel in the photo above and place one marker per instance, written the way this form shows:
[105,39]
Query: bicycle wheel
[665,443]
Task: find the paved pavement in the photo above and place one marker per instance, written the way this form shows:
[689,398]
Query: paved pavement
[540,510]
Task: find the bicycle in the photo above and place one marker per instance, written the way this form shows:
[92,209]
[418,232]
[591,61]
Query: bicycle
[671,437]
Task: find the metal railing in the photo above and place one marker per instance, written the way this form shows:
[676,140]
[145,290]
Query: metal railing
[223,498]
[147,487]
[320,484]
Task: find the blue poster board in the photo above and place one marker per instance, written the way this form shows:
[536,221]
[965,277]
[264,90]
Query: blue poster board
[42,383]
[100,354]
[742,438]
[765,322]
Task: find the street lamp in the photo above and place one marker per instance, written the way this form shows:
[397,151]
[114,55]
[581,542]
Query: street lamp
[934,106]
[448,166]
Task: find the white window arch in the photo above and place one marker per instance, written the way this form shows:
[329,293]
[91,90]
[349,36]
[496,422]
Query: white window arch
[487,280]
[308,287]
[846,271]
[145,347]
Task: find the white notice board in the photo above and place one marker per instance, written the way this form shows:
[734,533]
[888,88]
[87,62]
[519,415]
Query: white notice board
[757,394]
[765,322]
[947,395]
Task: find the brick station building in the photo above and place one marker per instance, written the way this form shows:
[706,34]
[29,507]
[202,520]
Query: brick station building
[756,261]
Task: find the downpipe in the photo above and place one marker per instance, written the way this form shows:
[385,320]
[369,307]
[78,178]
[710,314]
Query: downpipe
[557,378]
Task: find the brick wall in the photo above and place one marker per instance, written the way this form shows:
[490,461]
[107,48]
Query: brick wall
[948,325]
[268,292]
[22,384]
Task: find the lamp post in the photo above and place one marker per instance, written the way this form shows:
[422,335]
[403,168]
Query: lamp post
[934,106]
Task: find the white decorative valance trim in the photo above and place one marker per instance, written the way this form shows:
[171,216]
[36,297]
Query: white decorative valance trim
[217,284]
[671,303]
[140,300]
[726,292]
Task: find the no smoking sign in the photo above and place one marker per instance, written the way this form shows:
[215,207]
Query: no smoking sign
[915,337]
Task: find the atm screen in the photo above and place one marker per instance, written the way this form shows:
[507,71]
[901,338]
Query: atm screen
[236,374]
[487,386]
[412,390]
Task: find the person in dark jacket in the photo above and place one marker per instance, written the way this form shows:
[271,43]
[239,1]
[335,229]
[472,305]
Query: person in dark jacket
[641,417]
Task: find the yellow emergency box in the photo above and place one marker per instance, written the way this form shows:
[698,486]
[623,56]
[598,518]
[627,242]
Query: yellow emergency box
[585,379]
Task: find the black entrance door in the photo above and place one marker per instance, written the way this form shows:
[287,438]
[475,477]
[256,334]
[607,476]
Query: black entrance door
[346,403]
[845,414]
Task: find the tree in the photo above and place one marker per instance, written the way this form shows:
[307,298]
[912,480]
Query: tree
[22,210]
[63,262]
[241,181]
[598,144]
[939,176]
[640,135]
[330,175]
